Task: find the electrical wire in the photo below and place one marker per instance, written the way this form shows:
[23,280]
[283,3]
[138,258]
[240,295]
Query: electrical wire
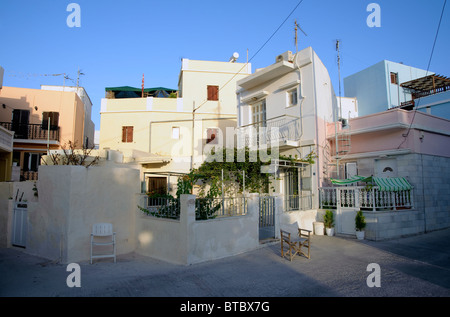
[257,52]
[428,67]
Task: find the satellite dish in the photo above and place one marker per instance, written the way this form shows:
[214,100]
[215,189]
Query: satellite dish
[234,57]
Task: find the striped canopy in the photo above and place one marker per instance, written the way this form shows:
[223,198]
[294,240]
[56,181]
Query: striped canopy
[351,180]
[383,183]
[392,184]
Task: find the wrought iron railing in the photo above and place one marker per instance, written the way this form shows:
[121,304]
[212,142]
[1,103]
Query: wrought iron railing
[298,202]
[208,208]
[205,208]
[31,131]
[278,129]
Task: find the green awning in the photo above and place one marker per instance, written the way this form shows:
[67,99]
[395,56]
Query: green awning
[392,184]
[351,180]
[383,183]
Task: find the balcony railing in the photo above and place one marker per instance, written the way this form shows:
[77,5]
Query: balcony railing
[31,131]
[276,130]
[366,198]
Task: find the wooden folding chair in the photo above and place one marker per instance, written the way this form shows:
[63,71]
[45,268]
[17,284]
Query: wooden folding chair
[295,245]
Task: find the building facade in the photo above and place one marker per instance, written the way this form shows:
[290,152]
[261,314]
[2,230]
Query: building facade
[167,136]
[378,87]
[291,100]
[42,120]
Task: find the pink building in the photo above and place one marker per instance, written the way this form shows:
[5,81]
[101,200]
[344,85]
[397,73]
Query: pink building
[396,143]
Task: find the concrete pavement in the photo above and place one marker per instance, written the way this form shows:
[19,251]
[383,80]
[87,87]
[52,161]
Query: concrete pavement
[416,266]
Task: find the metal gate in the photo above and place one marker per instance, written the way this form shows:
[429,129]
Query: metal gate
[20,225]
[266,217]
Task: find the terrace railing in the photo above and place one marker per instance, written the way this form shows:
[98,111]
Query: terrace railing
[371,198]
[205,208]
[31,131]
[208,208]
[278,129]
[298,202]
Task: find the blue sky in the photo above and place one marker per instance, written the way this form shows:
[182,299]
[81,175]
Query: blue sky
[118,41]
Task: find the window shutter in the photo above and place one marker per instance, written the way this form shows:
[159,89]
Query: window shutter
[124,134]
[213,93]
[130,134]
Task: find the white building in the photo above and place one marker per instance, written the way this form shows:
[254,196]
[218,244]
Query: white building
[295,96]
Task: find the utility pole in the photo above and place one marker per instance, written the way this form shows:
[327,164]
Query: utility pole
[338,113]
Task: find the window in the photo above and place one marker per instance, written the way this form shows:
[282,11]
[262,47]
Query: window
[53,118]
[127,134]
[31,161]
[259,113]
[213,93]
[211,135]
[175,133]
[394,78]
[292,97]
[157,185]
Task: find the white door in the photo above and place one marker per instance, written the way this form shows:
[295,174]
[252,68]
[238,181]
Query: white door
[20,225]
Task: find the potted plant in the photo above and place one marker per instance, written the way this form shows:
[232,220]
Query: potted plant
[328,220]
[360,224]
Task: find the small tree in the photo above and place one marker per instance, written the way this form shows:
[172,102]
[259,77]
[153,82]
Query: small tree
[360,221]
[328,219]
[73,156]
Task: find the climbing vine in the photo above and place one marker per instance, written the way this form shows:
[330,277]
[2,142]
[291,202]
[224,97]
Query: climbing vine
[225,173]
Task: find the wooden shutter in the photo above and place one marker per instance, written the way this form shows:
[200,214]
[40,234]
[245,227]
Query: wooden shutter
[213,93]
[124,134]
[130,134]
[127,134]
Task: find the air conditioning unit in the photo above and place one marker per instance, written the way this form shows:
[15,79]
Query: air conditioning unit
[286,56]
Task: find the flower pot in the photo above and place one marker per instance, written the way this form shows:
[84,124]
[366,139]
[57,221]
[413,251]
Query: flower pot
[360,235]
[329,231]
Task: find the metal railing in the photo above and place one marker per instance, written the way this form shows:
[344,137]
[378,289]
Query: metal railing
[278,129]
[298,202]
[205,208]
[365,197]
[209,208]
[31,131]
[163,207]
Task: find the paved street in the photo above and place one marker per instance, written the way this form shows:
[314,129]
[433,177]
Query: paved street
[416,266]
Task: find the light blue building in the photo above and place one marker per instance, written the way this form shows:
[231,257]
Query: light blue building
[378,87]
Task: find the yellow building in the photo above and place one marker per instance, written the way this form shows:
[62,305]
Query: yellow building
[42,120]
[168,136]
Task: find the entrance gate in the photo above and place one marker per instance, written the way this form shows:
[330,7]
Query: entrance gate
[266,217]
[20,225]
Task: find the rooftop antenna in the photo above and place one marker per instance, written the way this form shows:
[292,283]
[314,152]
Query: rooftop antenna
[296,37]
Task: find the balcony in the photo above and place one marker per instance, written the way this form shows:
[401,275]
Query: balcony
[282,131]
[31,131]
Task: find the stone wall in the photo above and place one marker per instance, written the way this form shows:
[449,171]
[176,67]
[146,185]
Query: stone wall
[430,176]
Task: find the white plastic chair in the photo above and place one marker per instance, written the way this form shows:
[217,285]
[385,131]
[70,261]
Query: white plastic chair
[102,231]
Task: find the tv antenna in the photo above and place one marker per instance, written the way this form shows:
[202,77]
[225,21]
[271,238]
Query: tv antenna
[296,37]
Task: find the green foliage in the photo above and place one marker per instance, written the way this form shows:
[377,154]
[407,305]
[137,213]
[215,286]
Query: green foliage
[360,221]
[328,219]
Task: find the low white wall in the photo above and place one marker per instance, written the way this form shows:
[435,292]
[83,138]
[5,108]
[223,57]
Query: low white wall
[71,200]
[187,241]
[221,237]
[160,238]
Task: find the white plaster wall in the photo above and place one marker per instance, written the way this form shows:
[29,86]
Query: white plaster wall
[71,200]
[222,237]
